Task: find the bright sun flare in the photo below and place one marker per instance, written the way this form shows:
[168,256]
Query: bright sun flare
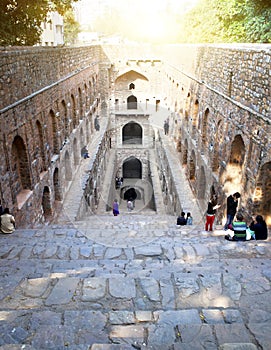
[143,20]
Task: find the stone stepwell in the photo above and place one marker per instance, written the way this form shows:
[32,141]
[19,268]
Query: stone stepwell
[133,282]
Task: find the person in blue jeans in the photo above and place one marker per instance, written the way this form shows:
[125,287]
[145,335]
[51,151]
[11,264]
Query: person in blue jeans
[232,204]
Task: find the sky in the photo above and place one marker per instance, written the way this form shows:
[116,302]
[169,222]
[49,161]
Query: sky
[150,20]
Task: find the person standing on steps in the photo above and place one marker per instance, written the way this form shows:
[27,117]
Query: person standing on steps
[232,204]
[116,208]
[210,213]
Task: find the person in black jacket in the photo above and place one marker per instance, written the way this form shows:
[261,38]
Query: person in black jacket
[181,220]
[232,204]
[259,227]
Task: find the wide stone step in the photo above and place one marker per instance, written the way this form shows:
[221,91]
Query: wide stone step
[93,329]
[186,289]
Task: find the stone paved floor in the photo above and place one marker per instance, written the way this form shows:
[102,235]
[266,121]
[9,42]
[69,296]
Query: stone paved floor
[133,282]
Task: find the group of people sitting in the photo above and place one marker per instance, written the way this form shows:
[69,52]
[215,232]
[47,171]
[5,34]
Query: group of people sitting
[182,220]
[239,231]
[7,221]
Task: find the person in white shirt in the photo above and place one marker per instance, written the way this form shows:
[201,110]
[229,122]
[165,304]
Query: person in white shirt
[7,222]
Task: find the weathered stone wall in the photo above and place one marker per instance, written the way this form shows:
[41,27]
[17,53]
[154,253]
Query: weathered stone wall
[25,71]
[222,122]
[49,101]
[216,96]
[240,72]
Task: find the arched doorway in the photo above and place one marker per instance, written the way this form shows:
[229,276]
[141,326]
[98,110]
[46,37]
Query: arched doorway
[20,166]
[232,175]
[130,194]
[262,195]
[132,102]
[132,168]
[46,202]
[132,133]
[57,187]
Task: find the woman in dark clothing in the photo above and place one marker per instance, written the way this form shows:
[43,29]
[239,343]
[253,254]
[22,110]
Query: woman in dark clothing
[210,214]
[259,227]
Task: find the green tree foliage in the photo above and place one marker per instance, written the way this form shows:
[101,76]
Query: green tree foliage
[71,28]
[21,19]
[247,21]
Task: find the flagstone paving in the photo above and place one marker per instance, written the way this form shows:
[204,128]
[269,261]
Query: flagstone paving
[133,282]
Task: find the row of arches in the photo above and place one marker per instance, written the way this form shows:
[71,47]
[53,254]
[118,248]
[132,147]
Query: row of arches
[41,140]
[221,143]
[231,162]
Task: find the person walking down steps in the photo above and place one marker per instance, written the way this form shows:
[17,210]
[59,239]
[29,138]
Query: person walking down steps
[116,208]
[130,205]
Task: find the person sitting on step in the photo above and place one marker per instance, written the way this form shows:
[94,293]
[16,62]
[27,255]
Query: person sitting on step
[239,229]
[181,220]
[189,219]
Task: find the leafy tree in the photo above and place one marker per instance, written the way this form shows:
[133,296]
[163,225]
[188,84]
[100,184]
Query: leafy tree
[21,19]
[71,28]
[228,21]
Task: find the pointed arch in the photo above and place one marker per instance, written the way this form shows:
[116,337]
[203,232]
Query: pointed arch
[52,137]
[73,112]
[132,168]
[202,183]
[68,168]
[232,177]
[46,202]
[205,128]
[132,133]
[192,166]
[57,187]
[131,75]
[262,194]
[64,115]
[131,102]
[195,114]
[20,164]
[40,146]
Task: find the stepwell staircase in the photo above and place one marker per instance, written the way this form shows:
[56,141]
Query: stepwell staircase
[133,282]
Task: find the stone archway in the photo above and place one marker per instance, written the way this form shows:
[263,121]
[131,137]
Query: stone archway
[132,133]
[75,152]
[132,102]
[46,202]
[132,168]
[205,129]
[202,183]
[130,194]
[68,169]
[192,166]
[20,166]
[57,187]
[232,175]
[262,195]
